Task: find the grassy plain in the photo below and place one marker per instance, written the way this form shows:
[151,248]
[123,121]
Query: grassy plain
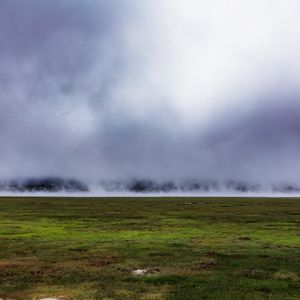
[189,248]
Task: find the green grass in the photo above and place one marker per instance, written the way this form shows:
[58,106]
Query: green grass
[193,248]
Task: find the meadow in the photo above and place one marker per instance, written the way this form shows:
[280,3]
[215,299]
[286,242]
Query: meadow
[149,248]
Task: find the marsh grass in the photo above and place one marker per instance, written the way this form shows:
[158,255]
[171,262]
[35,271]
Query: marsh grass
[87,248]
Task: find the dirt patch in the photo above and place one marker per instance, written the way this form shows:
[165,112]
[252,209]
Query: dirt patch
[205,263]
[54,298]
[102,262]
[286,275]
[16,264]
[195,203]
[244,238]
[253,274]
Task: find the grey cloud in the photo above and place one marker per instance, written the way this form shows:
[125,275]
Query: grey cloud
[80,98]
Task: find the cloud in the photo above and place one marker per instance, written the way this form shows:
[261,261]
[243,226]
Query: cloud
[160,89]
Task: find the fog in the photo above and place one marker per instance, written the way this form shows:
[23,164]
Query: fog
[161,89]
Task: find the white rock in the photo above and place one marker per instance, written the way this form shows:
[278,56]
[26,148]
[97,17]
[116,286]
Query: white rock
[52,298]
[140,272]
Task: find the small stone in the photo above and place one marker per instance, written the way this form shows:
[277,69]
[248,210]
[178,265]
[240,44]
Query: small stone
[140,272]
[53,298]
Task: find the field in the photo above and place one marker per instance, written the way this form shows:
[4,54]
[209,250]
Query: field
[149,248]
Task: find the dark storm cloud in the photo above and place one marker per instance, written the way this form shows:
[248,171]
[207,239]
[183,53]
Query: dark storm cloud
[261,146]
[117,89]
[48,50]
[61,62]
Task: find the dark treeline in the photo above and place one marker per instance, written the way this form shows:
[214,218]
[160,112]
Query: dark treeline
[44,185]
[53,184]
[151,186]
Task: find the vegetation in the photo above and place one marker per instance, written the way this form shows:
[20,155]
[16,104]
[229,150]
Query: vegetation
[149,248]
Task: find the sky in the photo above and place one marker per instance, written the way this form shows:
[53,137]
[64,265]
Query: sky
[160,89]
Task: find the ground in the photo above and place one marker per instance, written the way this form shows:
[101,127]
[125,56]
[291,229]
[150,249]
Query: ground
[149,248]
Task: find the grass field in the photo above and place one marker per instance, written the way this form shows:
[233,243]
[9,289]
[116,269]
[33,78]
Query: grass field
[187,248]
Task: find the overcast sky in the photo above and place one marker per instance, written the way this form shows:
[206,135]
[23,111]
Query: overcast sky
[154,89]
